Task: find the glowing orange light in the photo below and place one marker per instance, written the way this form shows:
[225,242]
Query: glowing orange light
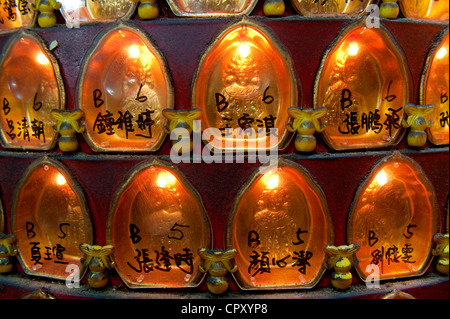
[353,49]
[42,59]
[60,179]
[381,178]
[442,53]
[244,50]
[165,179]
[133,51]
[272,180]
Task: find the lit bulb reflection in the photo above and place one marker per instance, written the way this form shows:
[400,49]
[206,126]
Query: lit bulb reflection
[381,179]
[133,51]
[272,180]
[42,59]
[60,179]
[442,53]
[244,50]
[353,49]
[165,179]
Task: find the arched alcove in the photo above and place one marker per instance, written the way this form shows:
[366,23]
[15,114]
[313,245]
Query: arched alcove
[157,223]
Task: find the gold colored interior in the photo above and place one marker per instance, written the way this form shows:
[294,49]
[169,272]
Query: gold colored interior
[425,9]
[25,119]
[245,82]
[156,215]
[394,219]
[323,7]
[124,88]
[50,221]
[210,7]
[280,227]
[364,85]
[98,10]
[435,90]
[14,17]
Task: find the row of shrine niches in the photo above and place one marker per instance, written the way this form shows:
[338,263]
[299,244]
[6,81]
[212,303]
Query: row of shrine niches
[279,232]
[26,13]
[245,94]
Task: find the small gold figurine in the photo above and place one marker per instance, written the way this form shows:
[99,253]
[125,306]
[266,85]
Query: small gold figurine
[217,263]
[7,250]
[182,119]
[306,123]
[148,9]
[46,17]
[441,251]
[98,262]
[341,259]
[273,8]
[389,9]
[67,125]
[417,121]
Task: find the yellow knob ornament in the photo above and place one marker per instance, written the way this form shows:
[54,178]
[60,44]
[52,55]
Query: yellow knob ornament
[46,8]
[274,8]
[148,9]
[389,9]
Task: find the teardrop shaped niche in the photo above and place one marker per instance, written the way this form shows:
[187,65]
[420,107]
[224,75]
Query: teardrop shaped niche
[244,84]
[123,86]
[207,8]
[394,218]
[364,82]
[157,223]
[79,11]
[332,8]
[280,225]
[50,219]
[25,119]
[434,89]
[425,9]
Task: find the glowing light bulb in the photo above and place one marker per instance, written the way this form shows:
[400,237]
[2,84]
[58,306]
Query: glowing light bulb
[165,179]
[42,59]
[133,51]
[353,49]
[272,181]
[244,50]
[60,179]
[442,53]
[381,178]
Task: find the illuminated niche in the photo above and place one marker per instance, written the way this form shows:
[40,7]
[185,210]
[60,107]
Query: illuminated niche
[280,225]
[208,8]
[157,223]
[364,83]
[50,219]
[425,9]
[394,218]
[330,7]
[25,119]
[81,11]
[244,84]
[123,87]
[434,90]
[14,16]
